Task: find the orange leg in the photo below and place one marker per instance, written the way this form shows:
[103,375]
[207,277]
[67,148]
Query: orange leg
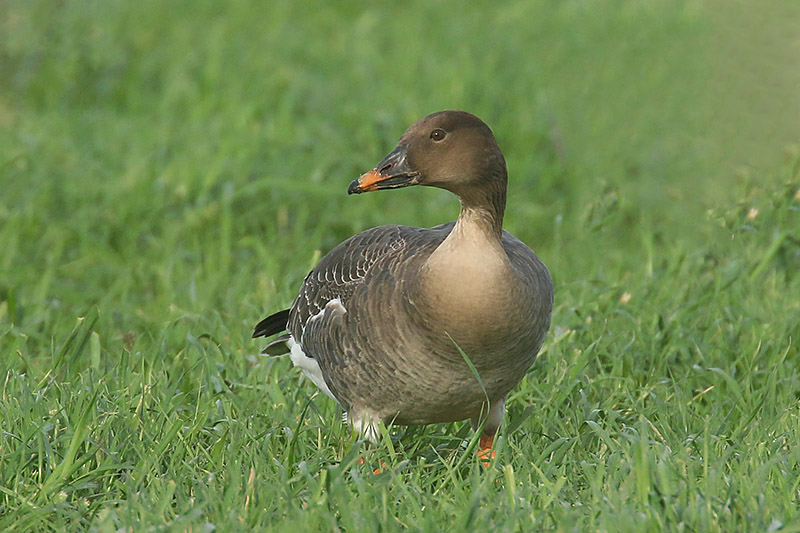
[485,452]
[493,420]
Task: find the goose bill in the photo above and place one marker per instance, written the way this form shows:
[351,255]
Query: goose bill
[391,173]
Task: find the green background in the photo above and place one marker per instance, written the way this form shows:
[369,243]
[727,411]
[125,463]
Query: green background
[170,171]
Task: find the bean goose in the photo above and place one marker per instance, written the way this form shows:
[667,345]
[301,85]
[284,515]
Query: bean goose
[387,321]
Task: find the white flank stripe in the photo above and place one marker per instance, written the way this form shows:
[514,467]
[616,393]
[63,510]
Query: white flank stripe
[308,365]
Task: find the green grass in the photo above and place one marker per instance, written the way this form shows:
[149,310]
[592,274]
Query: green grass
[170,171]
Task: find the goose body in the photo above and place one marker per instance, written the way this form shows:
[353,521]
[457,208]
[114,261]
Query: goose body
[387,320]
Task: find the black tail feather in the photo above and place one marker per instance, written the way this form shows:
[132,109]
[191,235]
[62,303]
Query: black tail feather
[277,346]
[274,323]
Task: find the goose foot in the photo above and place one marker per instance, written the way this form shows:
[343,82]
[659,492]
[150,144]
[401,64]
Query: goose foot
[486,453]
[378,470]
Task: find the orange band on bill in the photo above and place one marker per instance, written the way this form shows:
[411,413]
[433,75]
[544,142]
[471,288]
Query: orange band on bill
[368,181]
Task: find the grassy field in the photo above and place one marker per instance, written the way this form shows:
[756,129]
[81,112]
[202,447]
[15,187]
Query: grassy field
[170,171]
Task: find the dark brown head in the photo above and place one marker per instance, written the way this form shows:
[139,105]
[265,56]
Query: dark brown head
[452,150]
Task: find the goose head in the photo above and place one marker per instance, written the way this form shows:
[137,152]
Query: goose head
[451,150]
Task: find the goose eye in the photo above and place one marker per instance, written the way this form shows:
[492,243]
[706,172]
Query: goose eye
[437,134]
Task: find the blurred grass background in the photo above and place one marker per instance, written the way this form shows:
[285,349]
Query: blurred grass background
[170,172]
